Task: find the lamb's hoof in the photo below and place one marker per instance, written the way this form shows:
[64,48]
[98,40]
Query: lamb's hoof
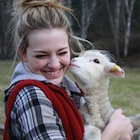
[92,133]
[136,134]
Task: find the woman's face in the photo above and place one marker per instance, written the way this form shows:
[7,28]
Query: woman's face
[48,53]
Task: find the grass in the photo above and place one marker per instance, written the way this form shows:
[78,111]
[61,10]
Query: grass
[124,93]
[5,75]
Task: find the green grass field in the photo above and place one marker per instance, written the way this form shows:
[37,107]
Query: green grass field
[5,75]
[124,93]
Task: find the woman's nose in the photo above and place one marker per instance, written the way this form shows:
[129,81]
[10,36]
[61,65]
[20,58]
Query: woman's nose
[53,62]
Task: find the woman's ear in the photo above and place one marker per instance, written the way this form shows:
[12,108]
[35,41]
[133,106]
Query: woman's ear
[22,54]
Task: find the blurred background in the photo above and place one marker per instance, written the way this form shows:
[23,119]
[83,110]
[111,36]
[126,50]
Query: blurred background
[112,25]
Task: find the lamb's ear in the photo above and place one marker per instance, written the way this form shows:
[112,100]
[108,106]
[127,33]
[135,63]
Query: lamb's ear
[115,70]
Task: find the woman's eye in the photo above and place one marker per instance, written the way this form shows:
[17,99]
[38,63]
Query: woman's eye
[62,53]
[40,56]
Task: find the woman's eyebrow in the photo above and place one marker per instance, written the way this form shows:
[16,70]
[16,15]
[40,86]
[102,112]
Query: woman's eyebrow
[65,48]
[42,51]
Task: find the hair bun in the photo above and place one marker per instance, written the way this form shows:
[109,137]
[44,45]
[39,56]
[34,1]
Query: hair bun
[22,5]
[33,3]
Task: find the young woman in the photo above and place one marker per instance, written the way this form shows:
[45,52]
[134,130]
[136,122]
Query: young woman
[45,42]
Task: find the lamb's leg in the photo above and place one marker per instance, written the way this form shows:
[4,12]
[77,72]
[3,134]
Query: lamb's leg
[135,120]
[92,133]
[136,134]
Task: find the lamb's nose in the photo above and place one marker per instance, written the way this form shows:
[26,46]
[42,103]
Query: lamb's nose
[74,60]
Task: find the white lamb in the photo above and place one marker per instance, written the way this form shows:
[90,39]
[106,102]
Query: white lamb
[92,69]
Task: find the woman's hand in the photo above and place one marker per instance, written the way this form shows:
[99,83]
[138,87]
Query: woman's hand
[118,128]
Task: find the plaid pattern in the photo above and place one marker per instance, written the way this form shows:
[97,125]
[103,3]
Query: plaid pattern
[33,116]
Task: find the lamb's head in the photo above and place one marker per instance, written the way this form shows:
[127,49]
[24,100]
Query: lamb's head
[94,68]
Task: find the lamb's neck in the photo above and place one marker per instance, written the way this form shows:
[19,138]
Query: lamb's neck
[95,85]
[99,94]
[98,102]
[96,90]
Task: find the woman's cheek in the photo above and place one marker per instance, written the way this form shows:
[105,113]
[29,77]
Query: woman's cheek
[36,66]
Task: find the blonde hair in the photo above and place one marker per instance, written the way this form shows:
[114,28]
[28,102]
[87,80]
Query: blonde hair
[29,15]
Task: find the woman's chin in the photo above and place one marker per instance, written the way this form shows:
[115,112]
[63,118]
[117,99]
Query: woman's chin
[56,81]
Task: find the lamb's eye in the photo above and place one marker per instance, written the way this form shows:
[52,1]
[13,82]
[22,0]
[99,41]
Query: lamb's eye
[96,61]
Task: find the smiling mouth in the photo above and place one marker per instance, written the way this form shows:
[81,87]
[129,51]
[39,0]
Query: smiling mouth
[52,73]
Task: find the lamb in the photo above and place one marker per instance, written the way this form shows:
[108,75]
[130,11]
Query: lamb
[135,120]
[92,69]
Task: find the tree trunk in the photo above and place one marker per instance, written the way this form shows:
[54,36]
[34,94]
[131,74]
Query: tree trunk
[88,8]
[115,23]
[129,9]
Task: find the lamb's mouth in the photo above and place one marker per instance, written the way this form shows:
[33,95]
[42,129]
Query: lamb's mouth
[74,65]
